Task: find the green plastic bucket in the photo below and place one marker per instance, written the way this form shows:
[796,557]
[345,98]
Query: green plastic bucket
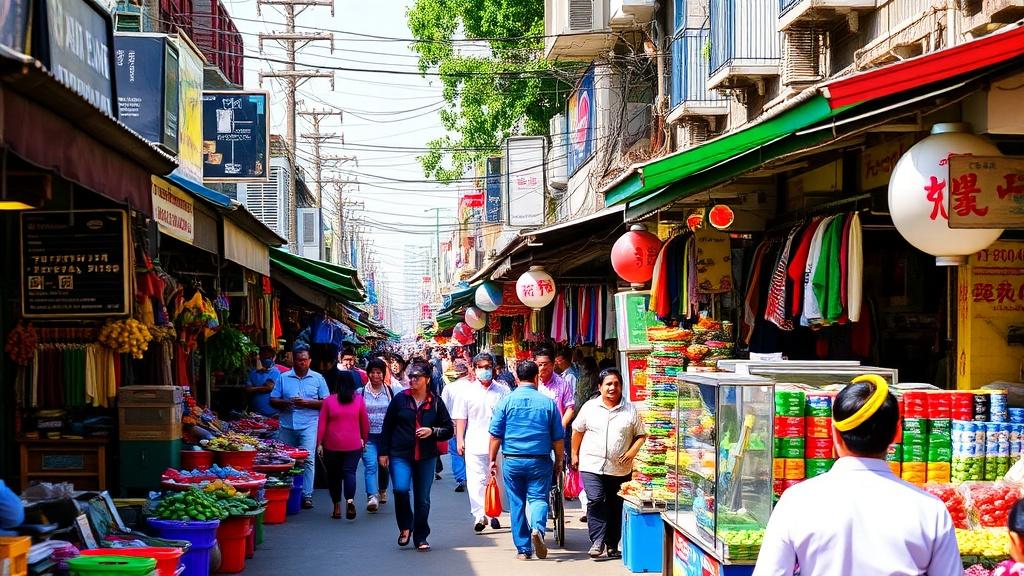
[111,566]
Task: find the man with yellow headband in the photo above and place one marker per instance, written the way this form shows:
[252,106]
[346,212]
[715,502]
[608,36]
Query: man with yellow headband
[859,519]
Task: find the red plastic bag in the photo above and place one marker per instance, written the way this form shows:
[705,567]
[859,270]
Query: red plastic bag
[492,499]
[573,484]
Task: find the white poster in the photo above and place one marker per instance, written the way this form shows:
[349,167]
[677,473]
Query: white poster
[524,180]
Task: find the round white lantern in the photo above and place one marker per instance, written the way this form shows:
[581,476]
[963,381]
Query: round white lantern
[488,296]
[475,318]
[919,191]
[535,288]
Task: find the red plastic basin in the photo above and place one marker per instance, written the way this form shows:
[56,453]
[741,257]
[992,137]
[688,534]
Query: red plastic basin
[239,460]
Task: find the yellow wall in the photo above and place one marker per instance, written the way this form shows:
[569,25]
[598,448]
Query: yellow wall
[990,299]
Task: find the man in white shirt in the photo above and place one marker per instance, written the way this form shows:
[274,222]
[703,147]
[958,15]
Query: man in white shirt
[859,518]
[451,396]
[472,415]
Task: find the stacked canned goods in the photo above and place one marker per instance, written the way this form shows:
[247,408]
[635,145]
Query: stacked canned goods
[997,450]
[789,439]
[968,439]
[819,453]
[915,437]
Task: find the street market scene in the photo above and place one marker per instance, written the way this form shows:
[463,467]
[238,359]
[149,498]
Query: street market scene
[604,287]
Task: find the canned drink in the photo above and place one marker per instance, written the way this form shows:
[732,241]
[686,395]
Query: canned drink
[967,451]
[795,469]
[914,439]
[791,447]
[819,427]
[1016,415]
[789,402]
[914,453]
[789,426]
[940,425]
[915,426]
[940,453]
[779,468]
[894,453]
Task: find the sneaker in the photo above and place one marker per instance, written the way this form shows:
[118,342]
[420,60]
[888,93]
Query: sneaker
[596,550]
[614,553]
[307,503]
[522,556]
[437,476]
[539,547]
[350,510]
[372,504]
[479,526]
[383,497]
[495,525]
[460,487]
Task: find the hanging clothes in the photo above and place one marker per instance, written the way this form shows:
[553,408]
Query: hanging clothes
[828,274]
[558,332]
[795,270]
[811,308]
[752,299]
[855,270]
[775,306]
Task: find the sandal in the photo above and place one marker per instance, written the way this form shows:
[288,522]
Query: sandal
[336,514]
[403,538]
[423,547]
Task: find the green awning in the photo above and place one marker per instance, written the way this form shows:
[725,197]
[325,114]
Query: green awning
[447,320]
[343,281]
[458,299]
[657,174]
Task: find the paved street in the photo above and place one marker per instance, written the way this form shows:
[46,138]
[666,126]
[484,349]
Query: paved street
[312,543]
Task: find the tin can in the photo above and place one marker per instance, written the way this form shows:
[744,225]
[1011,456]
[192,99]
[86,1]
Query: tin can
[819,427]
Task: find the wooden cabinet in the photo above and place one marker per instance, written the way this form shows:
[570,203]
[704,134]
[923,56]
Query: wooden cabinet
[80,462]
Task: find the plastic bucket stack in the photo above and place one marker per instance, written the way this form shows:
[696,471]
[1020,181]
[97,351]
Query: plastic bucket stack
[295,497]
[239,460]
[192,459]
[202,535]
[232,535]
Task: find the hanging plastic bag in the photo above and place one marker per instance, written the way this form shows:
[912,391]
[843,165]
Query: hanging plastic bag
[492,499]
[573,484]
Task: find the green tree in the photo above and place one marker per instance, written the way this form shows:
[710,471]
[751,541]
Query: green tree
[489,56]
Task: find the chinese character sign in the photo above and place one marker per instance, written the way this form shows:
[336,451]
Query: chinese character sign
[524,180]
[535,288]
[986,192]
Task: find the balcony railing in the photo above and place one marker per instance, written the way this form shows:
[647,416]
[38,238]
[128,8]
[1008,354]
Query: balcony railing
[744,36]
[690,71]
[785,5]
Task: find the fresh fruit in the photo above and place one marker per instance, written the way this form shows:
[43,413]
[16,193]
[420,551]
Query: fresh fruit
[991,503]
[985,542]
[953,500]
[126,337]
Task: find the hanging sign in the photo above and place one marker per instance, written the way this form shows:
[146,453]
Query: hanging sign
[74,264]
[190,112]
[580,115]
[633,318]
[524,180]
[877,162]
[146,70]
[173,210]
[78,40]
[986,192]
[492,204]
[235,141]
[714,261]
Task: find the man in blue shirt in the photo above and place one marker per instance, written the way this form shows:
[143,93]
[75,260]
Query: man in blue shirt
[299,396]
[262,382]
[526,426]
[12,511]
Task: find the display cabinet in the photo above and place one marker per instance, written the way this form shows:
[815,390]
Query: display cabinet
[723,463]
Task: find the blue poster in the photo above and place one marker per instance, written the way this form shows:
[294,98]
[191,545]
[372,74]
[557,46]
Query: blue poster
[492,202]
[235,141]
[139,72]
[580,118]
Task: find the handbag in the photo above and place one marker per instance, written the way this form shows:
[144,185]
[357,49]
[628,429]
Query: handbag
[573,484]
[492,499]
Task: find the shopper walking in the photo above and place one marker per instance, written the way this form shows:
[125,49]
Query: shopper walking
[377,396]
[261,383]
[525,428]
[554,386]
[606,435]
[415,422]
[298,398]
[396,373]
[859,518]
[342,432]
[472,414]
[452,396]
[586,390]
[347,361]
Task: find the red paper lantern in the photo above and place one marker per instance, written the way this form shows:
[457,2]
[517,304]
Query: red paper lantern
[721,216]
[634,254]
[463,334]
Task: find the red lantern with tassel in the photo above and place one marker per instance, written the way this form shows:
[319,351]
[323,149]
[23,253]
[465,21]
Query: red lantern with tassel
[634,254]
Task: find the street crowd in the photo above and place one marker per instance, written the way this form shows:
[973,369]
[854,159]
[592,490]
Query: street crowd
[397,414]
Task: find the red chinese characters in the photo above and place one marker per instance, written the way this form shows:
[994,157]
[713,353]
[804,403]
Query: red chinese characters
[1014,186]
[965,193]
[936,194]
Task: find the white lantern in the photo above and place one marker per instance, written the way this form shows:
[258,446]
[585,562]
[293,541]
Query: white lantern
[488,296]
[535,288]
[918,195]
[475,318]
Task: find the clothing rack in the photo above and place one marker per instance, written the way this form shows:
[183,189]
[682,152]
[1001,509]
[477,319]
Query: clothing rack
[802,215]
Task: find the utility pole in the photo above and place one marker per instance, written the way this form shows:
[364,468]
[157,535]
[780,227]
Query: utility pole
[292,78]
[437,248]
[340,201]
[318,138]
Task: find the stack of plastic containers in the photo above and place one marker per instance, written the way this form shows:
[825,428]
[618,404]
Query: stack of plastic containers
[997,450]
[819,453]
[790,441]
[968,439]
[1016,433]
[940,447]
[202,535]
[915,437]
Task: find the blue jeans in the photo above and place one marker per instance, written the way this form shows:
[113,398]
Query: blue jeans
[305,439]
[527,484]
[458,462]
[419,476]
[375,478]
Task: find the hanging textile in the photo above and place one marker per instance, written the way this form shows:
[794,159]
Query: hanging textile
[855,270]
[828,273]
[558,319]
[775,306]
[812,308]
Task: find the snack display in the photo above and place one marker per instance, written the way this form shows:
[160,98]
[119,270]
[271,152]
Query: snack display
[954,501]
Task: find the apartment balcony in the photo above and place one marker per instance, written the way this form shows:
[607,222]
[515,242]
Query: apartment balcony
[795,13]
[689,93]
[577,30]
[746,46]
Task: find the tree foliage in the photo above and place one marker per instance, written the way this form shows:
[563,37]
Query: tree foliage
[489,56]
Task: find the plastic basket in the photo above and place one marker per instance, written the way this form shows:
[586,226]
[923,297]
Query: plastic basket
[14,555]
[202,535]
[239,459]
[111,566]
[167,559]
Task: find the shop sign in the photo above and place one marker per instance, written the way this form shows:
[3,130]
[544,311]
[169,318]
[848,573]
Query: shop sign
[580,114]
[235,141]
[74,264]
[877,162]
[688,559]
[190,112]
[636,373]
[633,318]
[173,211]
[146,70]
[714,261]
[986,192]
[14,23]
[79,34]
[524,180]
[492,187]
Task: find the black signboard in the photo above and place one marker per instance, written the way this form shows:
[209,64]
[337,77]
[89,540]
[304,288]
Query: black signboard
[13,24]
[235,142]
[77,48]
[170,115]
[74,264]
[139,70]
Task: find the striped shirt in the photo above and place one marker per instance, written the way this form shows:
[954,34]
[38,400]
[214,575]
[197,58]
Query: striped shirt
[377,404]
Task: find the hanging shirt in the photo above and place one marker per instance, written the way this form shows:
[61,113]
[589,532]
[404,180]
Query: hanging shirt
[828,274]
[844,265]
[312,386]
[775,307]
[476,405]
[859,518]
[607,434]
[855,270]
[795,271]
[811,309]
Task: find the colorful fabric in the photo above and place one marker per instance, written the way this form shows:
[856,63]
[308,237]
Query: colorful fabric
[775,307]
[795,270]
[827,273]
[812,308]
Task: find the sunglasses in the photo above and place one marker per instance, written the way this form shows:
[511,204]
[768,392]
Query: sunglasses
[417,375]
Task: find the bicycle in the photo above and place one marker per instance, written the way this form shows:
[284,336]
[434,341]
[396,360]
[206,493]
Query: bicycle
[556,508]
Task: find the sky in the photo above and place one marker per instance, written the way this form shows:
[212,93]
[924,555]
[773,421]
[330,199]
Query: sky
[389,116]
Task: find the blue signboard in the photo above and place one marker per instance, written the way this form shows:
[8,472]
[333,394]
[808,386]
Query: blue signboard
[77,50]
[139,70]
[235,141]
[580,118]
[492,201]
[13,23]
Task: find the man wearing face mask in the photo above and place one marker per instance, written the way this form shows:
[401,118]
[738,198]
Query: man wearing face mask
[261,383]
[472,414]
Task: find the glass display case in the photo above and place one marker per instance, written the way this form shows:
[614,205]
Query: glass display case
[809,374]
[723,464]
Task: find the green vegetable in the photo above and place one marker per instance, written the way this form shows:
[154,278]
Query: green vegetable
[189,505]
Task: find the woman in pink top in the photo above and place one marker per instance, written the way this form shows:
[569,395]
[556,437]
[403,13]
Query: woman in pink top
[340,438]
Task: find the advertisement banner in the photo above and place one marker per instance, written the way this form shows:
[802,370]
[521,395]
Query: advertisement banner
[14,23]
[235,141]
[986,192]
[688,559]
[74,264]
[524,180]
[171,98]
[190,112]
[492,188]
[173,210]
[580,115]
[633,318]
[145,69]
[78,51]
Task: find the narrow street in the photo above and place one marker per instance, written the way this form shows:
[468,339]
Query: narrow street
[311,542]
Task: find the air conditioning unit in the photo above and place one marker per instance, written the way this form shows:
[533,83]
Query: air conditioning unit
[558,177]
[309,232]
[695,133]
[626,14]
[803,56]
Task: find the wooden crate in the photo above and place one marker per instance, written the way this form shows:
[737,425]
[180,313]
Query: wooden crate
[153,422]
